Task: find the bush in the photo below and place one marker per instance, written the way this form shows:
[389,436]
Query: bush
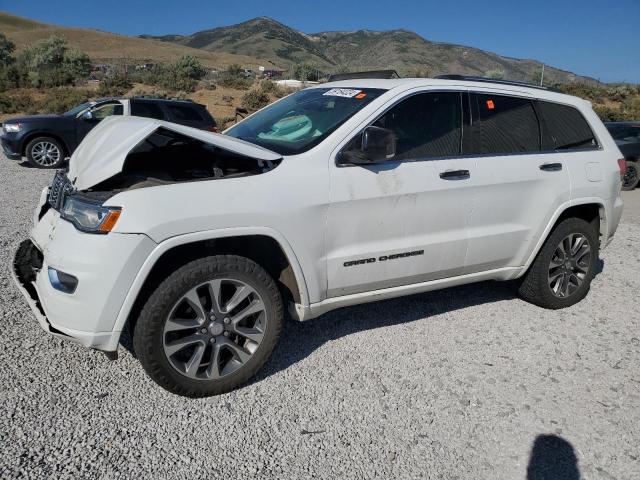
[51,63]
[255,99]
[59,100]
[237,83]
[114,86]
[19,102]
[267,86]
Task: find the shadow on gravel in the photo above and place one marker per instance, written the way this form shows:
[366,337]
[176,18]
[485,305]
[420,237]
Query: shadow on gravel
[300,339]
[552,458]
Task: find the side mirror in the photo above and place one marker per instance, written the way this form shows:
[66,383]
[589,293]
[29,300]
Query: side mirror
[377,145]
[88,115]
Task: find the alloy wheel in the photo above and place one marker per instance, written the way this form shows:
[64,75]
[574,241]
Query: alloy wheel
[569,265]
[214,329]
[46,153]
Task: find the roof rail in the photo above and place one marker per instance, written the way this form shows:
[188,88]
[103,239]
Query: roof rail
[471,78]
[169,99]
[378,74]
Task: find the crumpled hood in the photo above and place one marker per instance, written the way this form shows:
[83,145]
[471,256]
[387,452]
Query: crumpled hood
[102,153]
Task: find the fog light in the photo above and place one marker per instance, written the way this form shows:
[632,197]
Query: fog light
[62,281]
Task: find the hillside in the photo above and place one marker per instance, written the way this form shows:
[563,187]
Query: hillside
[109,47]
[405,51]
[261,37]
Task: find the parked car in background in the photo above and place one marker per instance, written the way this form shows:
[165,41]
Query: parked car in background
[627,136]
[46,140]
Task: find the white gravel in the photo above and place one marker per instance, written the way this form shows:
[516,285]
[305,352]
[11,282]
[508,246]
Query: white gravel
[452,384]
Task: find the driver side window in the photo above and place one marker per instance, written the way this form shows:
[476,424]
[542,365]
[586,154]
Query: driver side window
[426,125]
[104,111]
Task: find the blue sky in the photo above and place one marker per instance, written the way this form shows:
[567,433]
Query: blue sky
[590,37]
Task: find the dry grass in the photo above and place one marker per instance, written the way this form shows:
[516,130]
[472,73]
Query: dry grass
[112,48]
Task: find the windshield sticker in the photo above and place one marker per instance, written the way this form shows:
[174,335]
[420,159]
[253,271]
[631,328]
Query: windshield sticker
[342,92]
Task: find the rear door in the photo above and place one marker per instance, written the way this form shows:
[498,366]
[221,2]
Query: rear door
[402,221]
[517,189]
[193,115]
[147,108]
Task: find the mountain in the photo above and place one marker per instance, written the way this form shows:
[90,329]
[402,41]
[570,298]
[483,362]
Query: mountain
[109,47]
[261,37]
[405,51]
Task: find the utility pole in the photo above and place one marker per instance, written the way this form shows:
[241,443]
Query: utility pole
[542,76]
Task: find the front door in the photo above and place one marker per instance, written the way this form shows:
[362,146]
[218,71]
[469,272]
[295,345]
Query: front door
[90,118]
[403,221]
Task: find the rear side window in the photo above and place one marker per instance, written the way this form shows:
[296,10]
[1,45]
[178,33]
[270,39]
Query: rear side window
[426,125]
[184,113]
[629,133]
[564,128]
[146,109]
[501,125]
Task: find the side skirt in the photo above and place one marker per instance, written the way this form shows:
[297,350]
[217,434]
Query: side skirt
[314,310]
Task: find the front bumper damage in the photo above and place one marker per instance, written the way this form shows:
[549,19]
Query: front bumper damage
[27,264]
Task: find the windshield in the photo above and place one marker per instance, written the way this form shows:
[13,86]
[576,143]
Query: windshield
[77,109]
[302,120]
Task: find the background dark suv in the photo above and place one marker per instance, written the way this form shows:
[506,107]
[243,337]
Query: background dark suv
[46,140]
[627,136]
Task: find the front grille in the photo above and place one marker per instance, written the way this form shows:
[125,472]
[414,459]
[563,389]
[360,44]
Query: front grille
[60,188]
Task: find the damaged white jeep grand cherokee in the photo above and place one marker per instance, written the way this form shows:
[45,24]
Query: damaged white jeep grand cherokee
[339,194]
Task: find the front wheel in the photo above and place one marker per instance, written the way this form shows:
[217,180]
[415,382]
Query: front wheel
[210,326]
[45,152]
[561,274]
[631,176]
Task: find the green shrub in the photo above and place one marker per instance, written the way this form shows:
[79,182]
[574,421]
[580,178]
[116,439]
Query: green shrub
[114,86]
[267,86]
[51,63]
[255,99]
[59,100]
[230,81]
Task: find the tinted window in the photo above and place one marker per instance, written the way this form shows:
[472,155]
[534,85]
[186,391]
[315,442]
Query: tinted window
[426,125]
[564,128]
[500,125]
[184,113]
[629,133]
[146,109]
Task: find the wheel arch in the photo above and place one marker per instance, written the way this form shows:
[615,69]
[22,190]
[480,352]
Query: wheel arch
[591,210]
[32,135]
[264,246]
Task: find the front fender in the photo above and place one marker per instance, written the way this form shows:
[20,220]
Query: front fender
[176,241]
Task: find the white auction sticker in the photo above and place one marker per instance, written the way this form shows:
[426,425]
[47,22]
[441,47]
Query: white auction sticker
[342,92]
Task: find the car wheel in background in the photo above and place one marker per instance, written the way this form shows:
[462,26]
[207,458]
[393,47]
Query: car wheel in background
[45,152]
[561,274]
[631,178]
[210,326]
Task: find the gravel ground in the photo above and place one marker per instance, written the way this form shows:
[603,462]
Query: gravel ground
[464,383]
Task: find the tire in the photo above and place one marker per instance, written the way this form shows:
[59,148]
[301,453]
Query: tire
[167,321]
[45,152]
[631,176]
[540,282]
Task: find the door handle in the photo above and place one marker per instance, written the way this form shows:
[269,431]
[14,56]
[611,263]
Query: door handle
[551,167]
[455,175]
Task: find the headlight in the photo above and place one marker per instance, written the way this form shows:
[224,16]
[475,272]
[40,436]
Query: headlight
[12,127]
[89,217]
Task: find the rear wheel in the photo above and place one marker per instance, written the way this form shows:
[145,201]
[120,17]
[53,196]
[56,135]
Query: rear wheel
[561,274]
[45,152]
[210,326]
[631,176]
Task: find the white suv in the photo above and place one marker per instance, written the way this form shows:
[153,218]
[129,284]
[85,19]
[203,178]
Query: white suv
[343,193]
